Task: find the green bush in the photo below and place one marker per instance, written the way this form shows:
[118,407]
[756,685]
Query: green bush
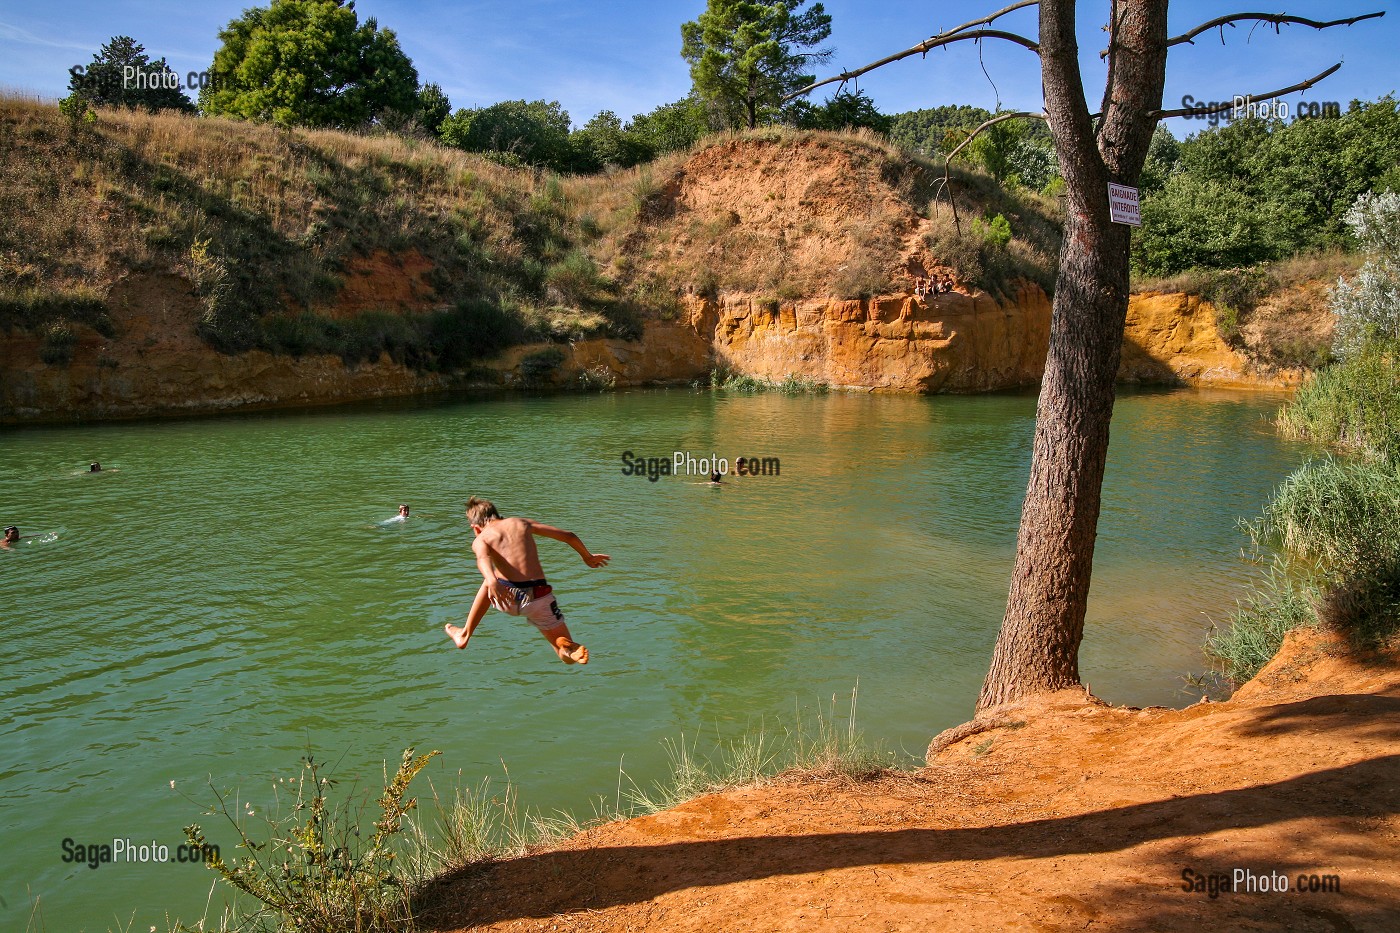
[57,346]
[596,379]
[305,334]
[1258,625]
[1365,605]
[1353,405]
[730,380]
[366,336]
[539,367]
[994,232]
[1335,514]
[473,330]
[310,869]
[34,308]
[575,277]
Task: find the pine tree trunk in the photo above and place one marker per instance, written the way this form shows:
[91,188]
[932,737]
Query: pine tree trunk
[1038,647]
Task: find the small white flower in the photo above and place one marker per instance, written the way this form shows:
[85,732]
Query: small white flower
[172,787]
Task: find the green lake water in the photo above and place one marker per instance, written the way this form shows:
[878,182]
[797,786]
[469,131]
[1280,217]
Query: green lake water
[225,599]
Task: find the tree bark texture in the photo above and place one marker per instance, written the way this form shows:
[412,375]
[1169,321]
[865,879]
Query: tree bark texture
[1037,649]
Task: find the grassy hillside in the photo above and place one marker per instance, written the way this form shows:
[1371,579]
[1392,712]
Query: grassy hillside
[278,233]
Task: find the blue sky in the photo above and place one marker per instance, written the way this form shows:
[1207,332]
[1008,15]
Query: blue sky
[624,56]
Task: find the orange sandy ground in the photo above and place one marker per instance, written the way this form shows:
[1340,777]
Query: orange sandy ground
[1082,818]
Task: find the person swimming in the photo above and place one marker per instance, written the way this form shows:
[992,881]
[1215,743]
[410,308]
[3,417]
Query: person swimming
[401,517]
[95,467]
[12,537]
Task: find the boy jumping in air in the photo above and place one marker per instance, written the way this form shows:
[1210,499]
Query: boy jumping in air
[513,580]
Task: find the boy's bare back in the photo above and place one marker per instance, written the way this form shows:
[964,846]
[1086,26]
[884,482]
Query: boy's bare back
[510,546]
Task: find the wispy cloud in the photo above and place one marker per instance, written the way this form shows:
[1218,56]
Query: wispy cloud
[9,33]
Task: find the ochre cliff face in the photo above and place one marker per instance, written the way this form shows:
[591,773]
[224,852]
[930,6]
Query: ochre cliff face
[156,364]
[1174,338]
[193,383]
[939,343]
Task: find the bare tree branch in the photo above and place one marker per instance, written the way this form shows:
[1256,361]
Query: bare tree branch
[947,182]
[989,19]
[943,38]
[1278,19]
[999,118]
[1222,107]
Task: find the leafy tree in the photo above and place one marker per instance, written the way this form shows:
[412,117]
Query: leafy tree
[309,63]
[1254,190]
[152,85]
[936,129]
[1162,155]
[745,56]
[532,132]
[1032,164]
[602,142]
[841,111]
[993,147]
[1195,221]
[433,108]
[671,127]
[1368,306]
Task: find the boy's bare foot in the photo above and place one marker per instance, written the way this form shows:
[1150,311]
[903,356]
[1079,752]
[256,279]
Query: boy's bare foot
[458,635]
[571,652]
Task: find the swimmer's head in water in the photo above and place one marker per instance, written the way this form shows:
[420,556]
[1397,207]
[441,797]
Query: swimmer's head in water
[95,468]
[403,510]
[481,511]
[12,533]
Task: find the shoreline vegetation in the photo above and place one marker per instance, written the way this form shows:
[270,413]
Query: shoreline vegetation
[1334,523]
[310,864]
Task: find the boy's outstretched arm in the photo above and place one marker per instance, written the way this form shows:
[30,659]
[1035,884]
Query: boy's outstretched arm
[572,540]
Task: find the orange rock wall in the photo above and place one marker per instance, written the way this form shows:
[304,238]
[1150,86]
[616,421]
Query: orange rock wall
[195,383]
[1173,338]
[942,343]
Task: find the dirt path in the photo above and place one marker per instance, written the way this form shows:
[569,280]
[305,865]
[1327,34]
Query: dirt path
[1078,817]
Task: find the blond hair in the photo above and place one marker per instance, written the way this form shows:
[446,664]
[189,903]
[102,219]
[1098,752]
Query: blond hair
[481,511]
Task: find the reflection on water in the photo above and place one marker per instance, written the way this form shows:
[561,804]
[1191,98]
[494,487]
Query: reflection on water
[228,599]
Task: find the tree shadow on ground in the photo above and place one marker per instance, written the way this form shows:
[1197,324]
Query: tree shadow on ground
[557,882]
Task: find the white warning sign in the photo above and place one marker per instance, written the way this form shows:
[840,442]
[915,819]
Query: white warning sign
[1123,205]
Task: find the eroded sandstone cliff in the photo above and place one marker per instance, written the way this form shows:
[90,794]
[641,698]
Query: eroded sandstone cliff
[952,342]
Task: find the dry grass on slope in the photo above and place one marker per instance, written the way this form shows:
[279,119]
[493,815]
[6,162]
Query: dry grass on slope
[277,230]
